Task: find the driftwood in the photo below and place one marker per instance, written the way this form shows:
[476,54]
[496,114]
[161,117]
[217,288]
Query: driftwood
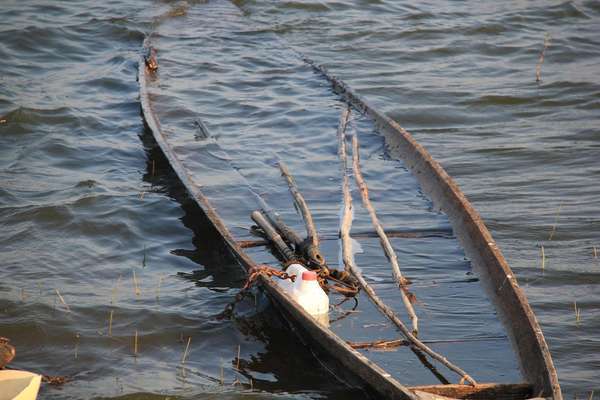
[391,343]
[305,248]
[356,235]
[272,235]
[288,233]
[311,230]
[349,264]
[383,239]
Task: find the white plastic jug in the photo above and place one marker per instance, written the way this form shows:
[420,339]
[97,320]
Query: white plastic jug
[307,292]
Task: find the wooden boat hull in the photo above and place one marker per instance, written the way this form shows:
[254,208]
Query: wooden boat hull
[478,244]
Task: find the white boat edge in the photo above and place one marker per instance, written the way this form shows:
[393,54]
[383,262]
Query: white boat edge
[19,385]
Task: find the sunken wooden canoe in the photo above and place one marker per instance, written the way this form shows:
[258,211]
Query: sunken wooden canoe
[502,287]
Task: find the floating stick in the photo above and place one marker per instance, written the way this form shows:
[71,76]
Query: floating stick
[311,230]
[383,239]
[110,319]
[538,67]
[350,266]
[135,344]
[62,300]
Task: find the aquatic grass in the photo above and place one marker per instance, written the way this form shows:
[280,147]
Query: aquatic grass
[110,322]
[136,286]
[160,279]
[577,313]
[222,376]
[555,222]
[135,344]
[77,336]
[186,351]
[113,297]
[543,257]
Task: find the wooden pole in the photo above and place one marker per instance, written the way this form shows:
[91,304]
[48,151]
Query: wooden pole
[311,230]
[383,239]
[273,236]
[349,264]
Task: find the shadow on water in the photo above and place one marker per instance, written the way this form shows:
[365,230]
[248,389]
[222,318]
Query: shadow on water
[255,317]
[210,251]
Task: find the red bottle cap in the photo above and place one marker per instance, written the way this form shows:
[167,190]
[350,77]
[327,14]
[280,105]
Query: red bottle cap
[309,276]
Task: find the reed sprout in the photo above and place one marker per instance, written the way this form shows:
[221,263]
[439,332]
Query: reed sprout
[113,297]
[160,279]
[553,231]
[136,286]
[577,313]
[185,352]
[77,336]
[110,322]
[135,344]
[543,256]
[222,377]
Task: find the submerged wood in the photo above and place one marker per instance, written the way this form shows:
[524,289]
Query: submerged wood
[482,391]
[273,236]
[311,230]
[356,235]
[288,233]
[305,248]
[383,239]
[349,264]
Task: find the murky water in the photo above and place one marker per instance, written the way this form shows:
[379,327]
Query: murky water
[86,199]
